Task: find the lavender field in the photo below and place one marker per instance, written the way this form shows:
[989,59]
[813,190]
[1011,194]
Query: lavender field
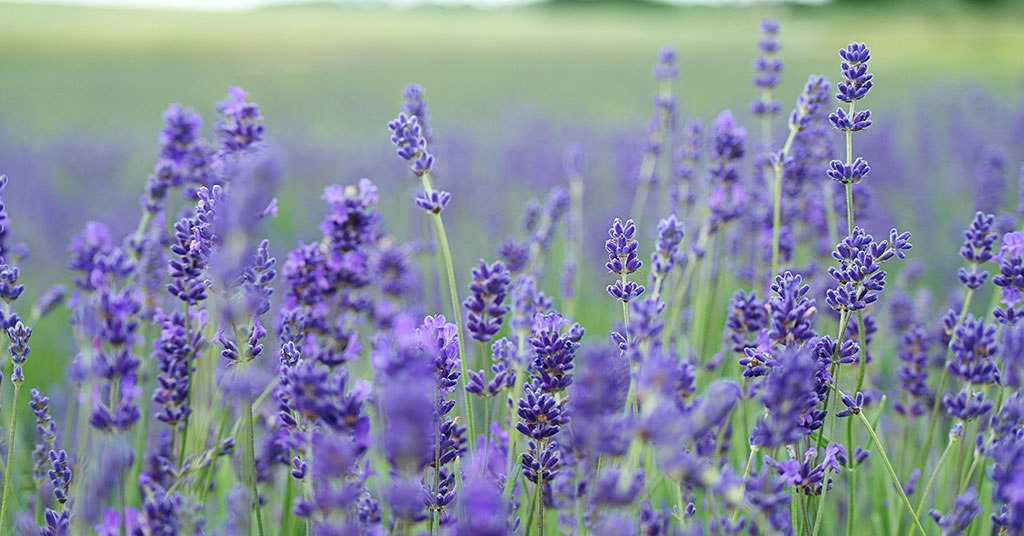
[543,270]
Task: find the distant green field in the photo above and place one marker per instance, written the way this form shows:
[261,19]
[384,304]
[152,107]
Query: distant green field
[339,70]
[333,76]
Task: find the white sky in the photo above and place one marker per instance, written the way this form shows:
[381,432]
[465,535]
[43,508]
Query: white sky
[228,5]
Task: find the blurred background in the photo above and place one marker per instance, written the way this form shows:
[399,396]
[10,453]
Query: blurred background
[510,85]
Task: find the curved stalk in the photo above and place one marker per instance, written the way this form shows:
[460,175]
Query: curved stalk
[446,252]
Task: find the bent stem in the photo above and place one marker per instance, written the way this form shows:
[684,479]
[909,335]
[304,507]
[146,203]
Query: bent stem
[935,473]
[446,252]
[888,467]
[9,467]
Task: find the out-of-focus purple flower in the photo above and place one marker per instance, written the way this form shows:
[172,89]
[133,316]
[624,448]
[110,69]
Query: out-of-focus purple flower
[1010,278]
[48,301]
[990,180]
[240,126]
[666,248]
[806,476]
[433,202]
[746,319]
[1011,351]
[913,373]
[959,518]
[790,393]
[767,69]
[727,144]
[515,254]
[415,106]
[814,94]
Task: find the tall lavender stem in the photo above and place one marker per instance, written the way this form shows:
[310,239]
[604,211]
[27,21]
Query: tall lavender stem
[408,136]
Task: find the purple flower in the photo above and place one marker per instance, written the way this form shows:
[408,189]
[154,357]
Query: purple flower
[790,311]
[848,174]
[240,126]
[486,304]
[48,301]
[808,477]
[977,249]
[433,202]
[666,247]
[19,335]
[973,347]
[913,373]
[967,405]
[415,106]
[622,246]
[853,405]
[411,143]
[746,319]
[791,395]
[727,147]
[990,180]
[859,276]
[856,79]
[959,518]
[515,254]
[815,93]
[767,69]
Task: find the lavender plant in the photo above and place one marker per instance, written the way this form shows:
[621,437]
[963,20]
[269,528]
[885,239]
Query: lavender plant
[214,390]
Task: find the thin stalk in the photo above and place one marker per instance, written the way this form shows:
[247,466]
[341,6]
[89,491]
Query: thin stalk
[456,311]
[517,392]
[250,445]
[684,284]
[830,213]
[743,490]
[850,474]
[794,520]
[9,467]
[777,209]
[190,361]
[888,467]
[533,506]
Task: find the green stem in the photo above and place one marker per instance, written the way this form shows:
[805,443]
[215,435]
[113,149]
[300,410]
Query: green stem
[250,445]
[517,392]
[850,488]
[9,466]
[888,467]
[746,473]
[456,311]
[777,209]
[533,506]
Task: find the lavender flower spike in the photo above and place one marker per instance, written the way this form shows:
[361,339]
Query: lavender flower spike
[622,259]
